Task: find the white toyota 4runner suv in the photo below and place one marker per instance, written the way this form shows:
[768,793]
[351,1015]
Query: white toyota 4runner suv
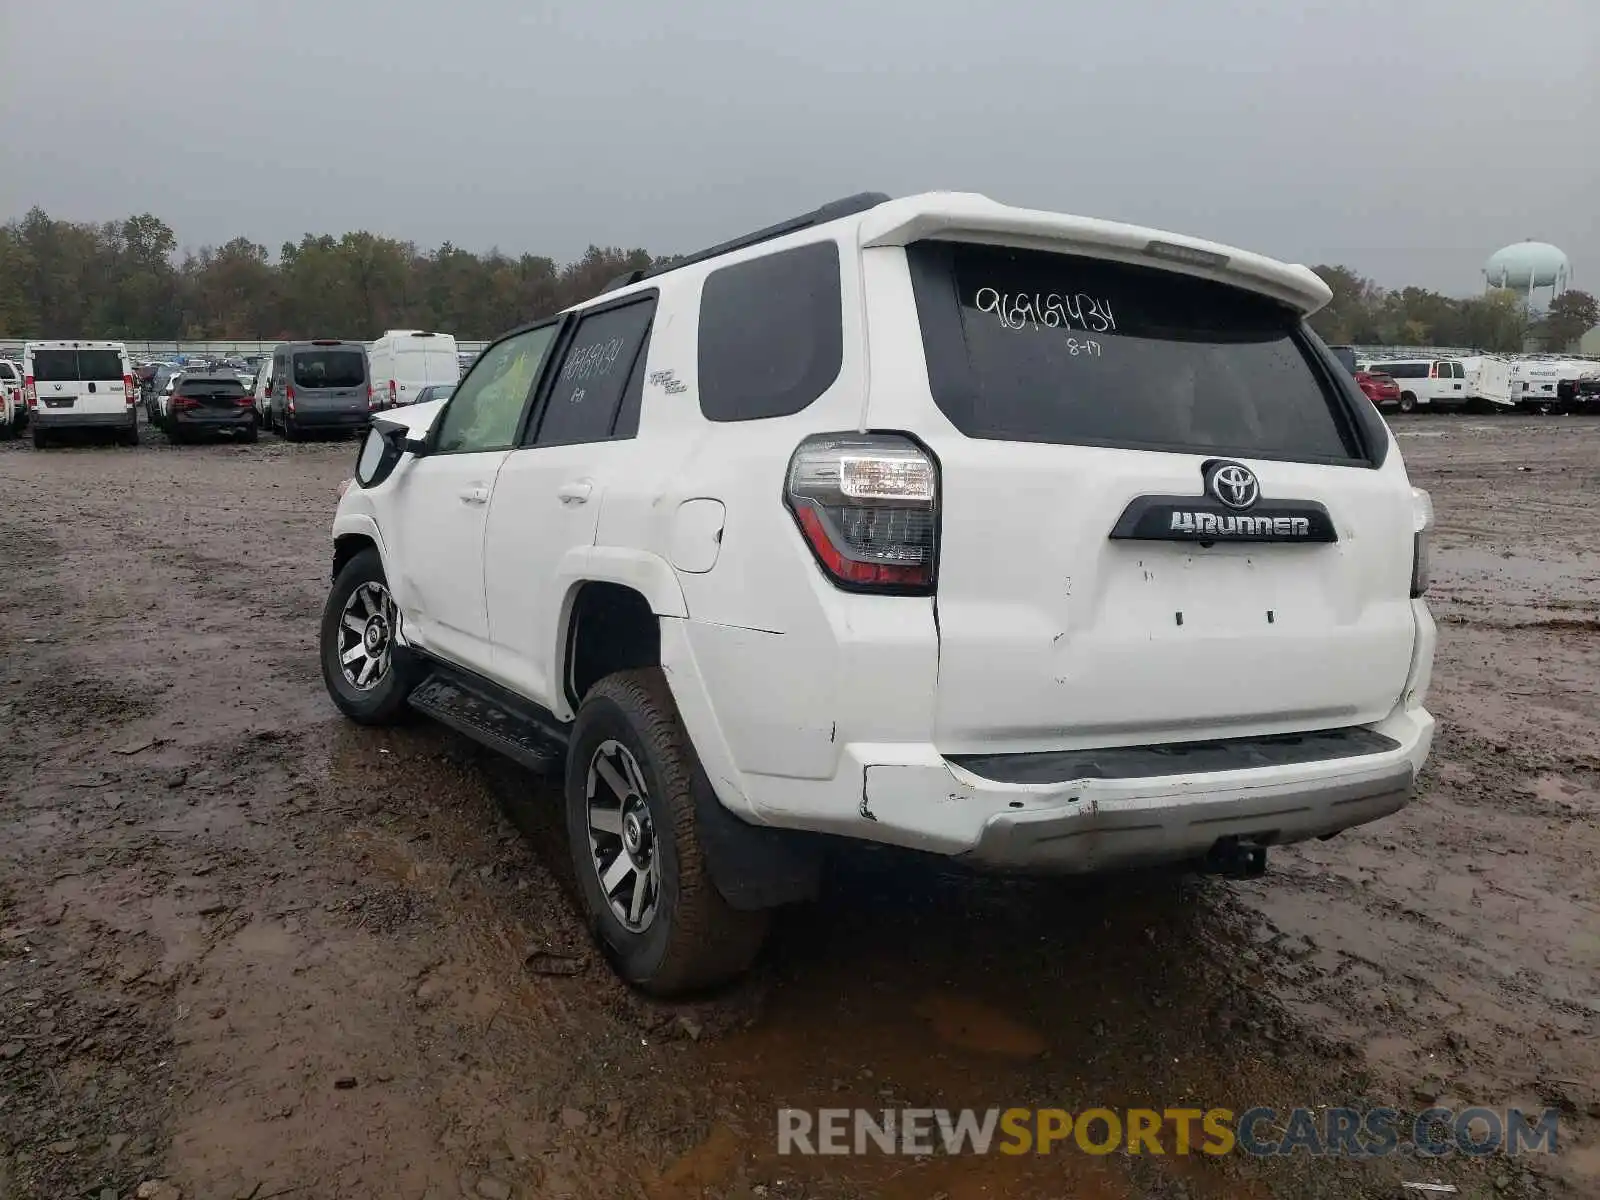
[1036,542]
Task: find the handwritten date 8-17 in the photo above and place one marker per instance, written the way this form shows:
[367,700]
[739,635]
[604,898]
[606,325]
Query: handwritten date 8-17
[1055,310]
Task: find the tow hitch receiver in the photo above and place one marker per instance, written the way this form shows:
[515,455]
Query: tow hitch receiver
[1235,859]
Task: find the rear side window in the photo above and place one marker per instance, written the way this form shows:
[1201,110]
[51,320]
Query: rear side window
[330,368]
[596,371]
[1030,346]
[771,335]
[1404,370]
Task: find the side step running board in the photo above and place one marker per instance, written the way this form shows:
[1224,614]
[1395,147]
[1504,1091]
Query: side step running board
[490,722]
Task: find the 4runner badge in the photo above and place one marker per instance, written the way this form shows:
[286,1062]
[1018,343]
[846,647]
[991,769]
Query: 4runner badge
[1219,513]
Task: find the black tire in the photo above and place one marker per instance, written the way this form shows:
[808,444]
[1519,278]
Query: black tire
[41,439]
[1408,402]
[10,429]
[291,432]
[383,703]
[250,434]
[694,940]
[174,434]
[130,435]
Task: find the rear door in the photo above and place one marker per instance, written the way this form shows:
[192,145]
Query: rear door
[330,379]
[1090,418]
[56,381]
[548,498]
[102,381]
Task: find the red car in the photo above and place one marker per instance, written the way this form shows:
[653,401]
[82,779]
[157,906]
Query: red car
[1380,389]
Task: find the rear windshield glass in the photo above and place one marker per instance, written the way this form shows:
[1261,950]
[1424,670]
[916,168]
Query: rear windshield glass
[330,368]
[72,366]
[210,387]
[1029,346]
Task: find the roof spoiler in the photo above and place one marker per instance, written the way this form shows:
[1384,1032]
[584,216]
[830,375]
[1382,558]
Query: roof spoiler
[952,216]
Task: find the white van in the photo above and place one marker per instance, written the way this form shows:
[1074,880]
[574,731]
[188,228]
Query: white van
[404,361]
[81,385]
[1427,382]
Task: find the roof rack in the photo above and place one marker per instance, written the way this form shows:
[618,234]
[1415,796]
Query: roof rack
[832,211]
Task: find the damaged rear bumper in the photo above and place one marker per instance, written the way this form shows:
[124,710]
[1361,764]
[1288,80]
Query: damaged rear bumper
[912,796]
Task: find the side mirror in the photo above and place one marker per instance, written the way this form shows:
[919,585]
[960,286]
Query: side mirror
[381,451]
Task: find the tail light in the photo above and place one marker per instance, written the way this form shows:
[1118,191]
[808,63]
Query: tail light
[245,401]
[394,394]
[288,396]
[30,393]
[868,506]
[1421,523]
[129,391]
[185,402]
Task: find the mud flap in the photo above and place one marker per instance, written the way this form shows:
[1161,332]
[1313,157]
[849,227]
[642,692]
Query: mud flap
[754,866]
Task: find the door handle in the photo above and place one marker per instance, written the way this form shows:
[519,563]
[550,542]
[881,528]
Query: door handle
[576,492]
[475,495]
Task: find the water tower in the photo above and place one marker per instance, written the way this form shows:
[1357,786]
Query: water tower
[1529,267]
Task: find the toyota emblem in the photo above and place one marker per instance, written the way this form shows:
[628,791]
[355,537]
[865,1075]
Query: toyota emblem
[1233,485]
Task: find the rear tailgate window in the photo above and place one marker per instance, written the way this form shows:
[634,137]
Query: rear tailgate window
[55,366]
[99,364]
[330,368]
[1031,346]
[211,387]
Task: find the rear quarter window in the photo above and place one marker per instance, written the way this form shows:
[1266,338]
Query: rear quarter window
[1026,345]
[771,334]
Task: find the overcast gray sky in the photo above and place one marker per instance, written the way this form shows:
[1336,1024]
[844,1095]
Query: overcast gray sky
[1406,138]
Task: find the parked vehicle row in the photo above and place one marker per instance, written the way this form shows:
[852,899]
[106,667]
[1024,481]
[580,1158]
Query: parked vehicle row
[303,388]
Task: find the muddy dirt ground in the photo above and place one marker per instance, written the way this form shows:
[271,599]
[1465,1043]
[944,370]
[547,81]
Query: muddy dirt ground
[251,950]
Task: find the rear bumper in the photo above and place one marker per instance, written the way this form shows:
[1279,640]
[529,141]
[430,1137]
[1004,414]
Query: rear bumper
[190,418]
[912,796]
[312,419]
[1152,821]
[49,418]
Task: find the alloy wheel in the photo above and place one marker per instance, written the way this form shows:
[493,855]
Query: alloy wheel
[366,635]
[622,836]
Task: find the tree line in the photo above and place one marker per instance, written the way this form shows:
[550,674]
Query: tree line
[126,279]
[1362,313]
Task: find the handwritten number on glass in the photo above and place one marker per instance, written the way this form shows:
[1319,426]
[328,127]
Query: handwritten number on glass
[1056,310]
[592,362]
